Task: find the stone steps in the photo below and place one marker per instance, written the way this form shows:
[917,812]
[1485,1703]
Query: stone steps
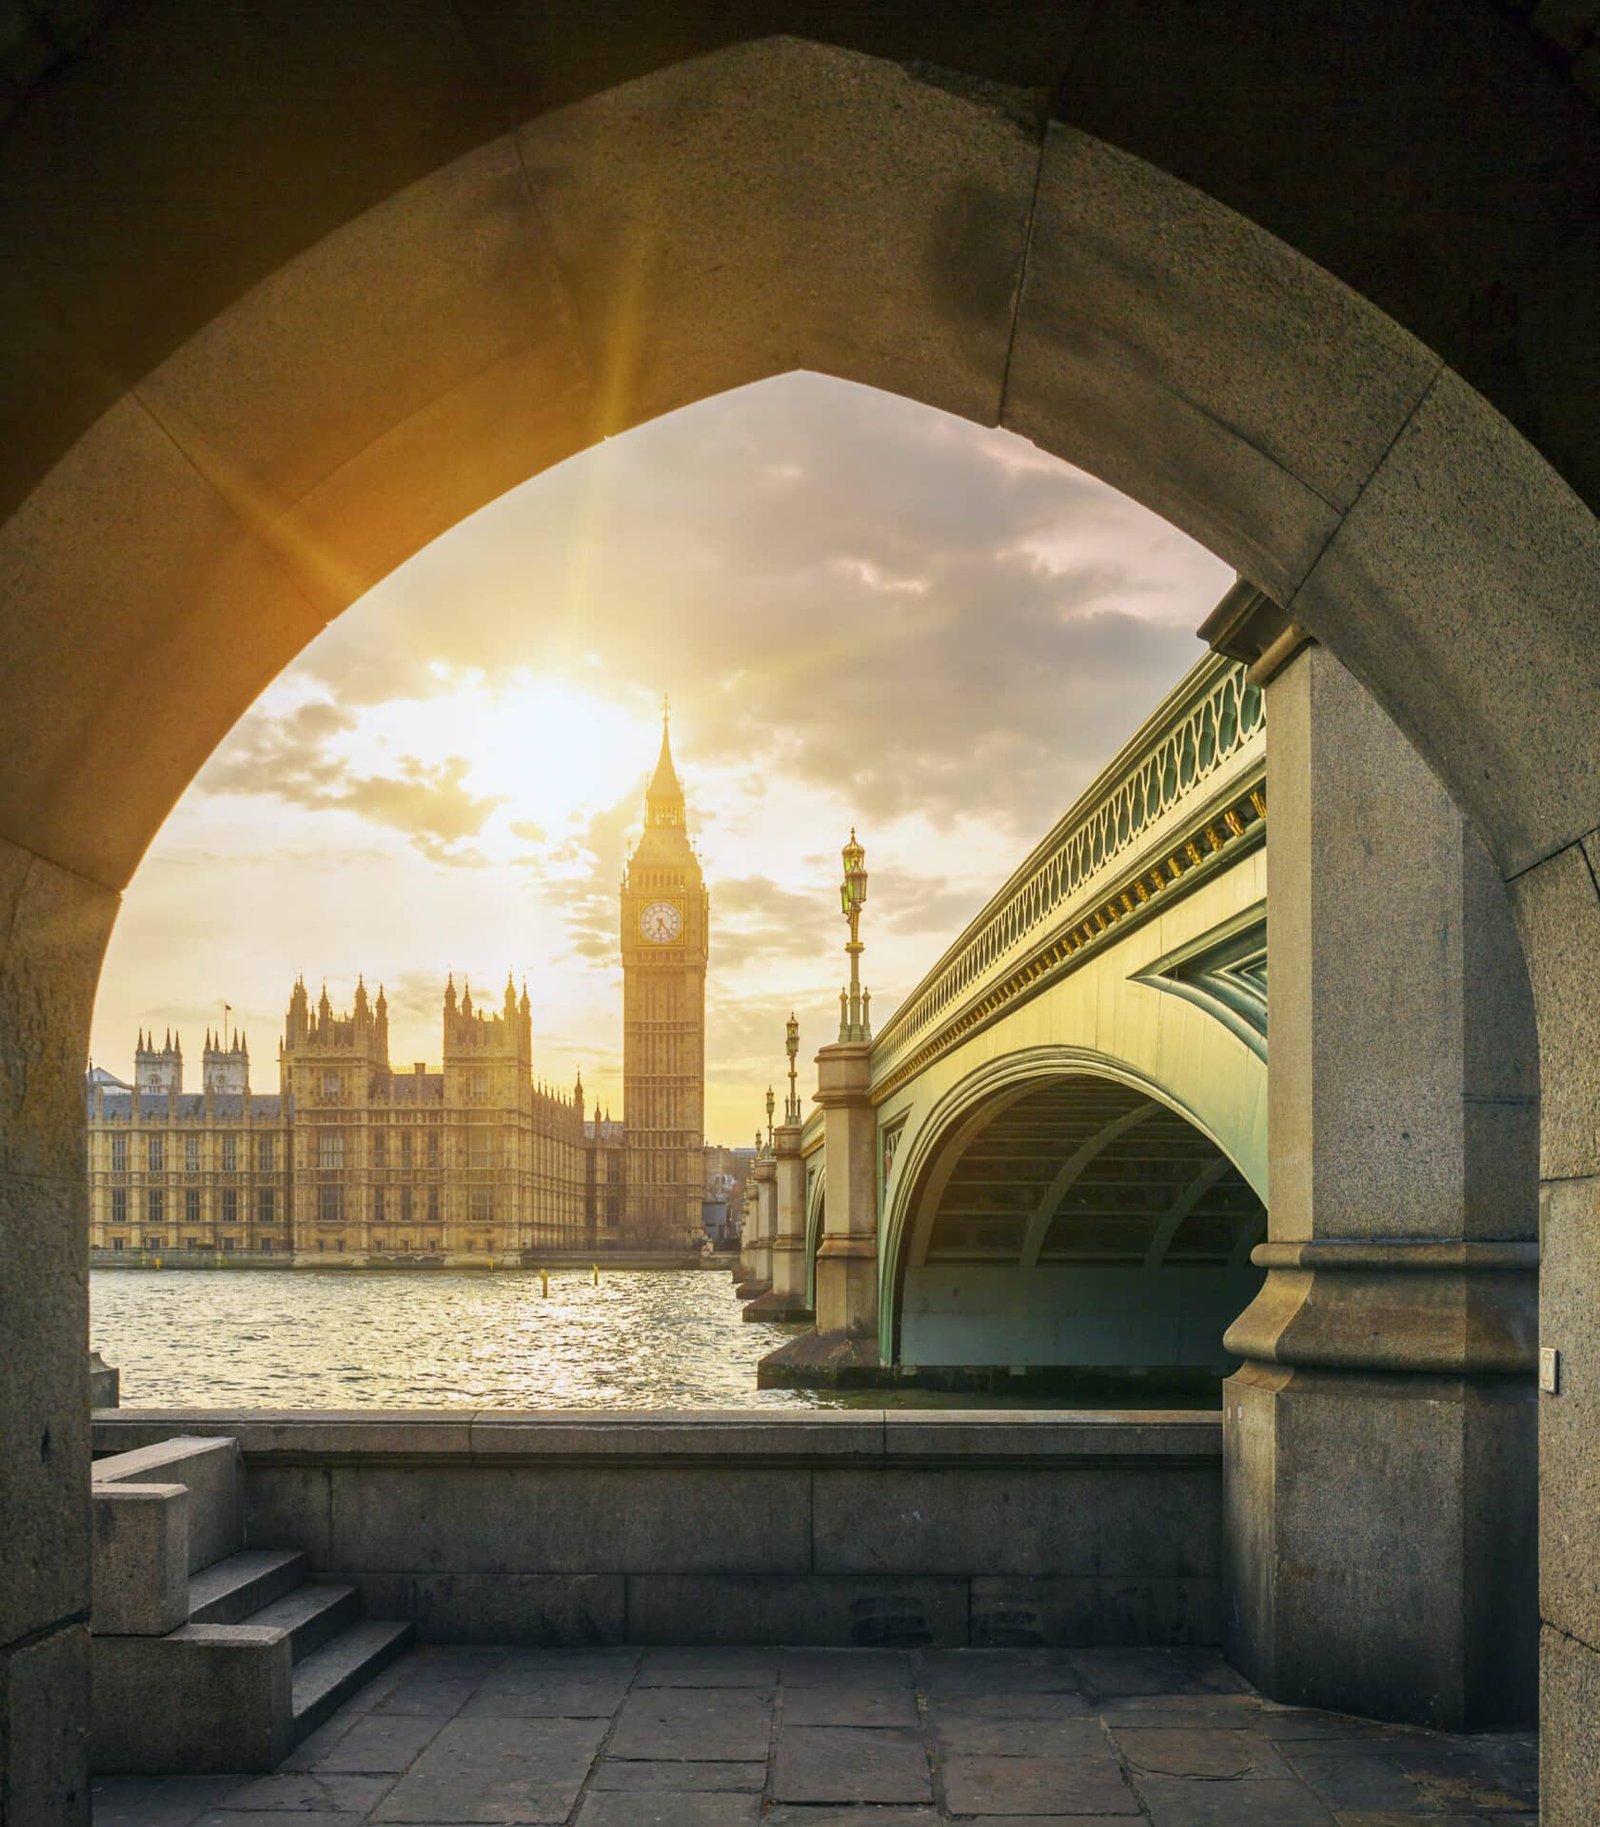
[228,1591]
[312,1614]
[210,1656]
[330,1675]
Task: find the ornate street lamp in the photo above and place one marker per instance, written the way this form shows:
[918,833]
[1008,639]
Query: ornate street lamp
[855,1008]
[791,1046]
[772,1104]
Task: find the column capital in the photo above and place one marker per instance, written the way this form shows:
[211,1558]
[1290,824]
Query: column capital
[1248,625]
[1390,1305]
[844,1073]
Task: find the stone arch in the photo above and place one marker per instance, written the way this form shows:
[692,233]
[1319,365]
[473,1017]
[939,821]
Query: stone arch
[1103,1103]
[427,261]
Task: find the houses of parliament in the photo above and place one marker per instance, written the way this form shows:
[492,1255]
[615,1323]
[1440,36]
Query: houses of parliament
[356,1161]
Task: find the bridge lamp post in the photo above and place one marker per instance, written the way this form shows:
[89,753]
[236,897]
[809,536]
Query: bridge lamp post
[791,1046]
[772,1104]
[855,1009]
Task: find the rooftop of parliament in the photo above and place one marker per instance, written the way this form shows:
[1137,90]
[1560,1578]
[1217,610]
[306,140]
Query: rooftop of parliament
[351,1157]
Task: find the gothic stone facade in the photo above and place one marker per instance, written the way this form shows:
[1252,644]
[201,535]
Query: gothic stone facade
[357,1162]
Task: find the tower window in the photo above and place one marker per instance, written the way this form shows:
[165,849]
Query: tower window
[230,1154]
[191,1154]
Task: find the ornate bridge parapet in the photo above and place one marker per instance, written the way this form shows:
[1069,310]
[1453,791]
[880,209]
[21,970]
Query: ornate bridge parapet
[1181,799]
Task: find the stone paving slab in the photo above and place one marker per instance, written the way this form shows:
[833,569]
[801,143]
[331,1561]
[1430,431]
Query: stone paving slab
[851,1764]
[842,1738]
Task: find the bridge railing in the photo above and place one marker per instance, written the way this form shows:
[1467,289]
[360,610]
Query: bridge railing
[1196,743]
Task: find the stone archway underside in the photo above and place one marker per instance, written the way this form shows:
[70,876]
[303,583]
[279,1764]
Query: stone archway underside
[284,301]
[1086,1224]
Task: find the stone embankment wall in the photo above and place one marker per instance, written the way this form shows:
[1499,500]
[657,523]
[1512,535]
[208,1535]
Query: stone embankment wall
[834,1527]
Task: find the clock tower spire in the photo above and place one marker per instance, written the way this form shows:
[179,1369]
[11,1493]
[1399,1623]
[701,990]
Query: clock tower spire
[665,912]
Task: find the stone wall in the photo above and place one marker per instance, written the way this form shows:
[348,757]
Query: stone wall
[832,1527]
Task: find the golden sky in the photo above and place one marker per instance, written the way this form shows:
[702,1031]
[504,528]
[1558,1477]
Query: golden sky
[865,612]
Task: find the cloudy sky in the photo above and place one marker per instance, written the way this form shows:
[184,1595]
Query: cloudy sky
[864,612]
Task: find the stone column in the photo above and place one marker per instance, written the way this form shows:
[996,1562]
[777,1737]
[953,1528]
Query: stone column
[53,929]
[844,1347]
[763,1176]
[751,1280]
[1380,1433]
[786,1298]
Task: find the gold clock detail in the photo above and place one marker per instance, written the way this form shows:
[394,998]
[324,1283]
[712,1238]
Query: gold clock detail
[661,922]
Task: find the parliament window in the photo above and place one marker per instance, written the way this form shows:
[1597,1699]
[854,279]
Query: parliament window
[330,1148]
[380,1148]
[155,1206]
[267,1205]
[481,1208]
[155,1153]
[119,1205]
[266,1153]
[230,1154]
[330,1205]
[119,1154]
[405,1147]
[377,1205]
[191,1205]
[405,1204]
[191,1154]
[480,1147]
[433,1205]
[230,1206]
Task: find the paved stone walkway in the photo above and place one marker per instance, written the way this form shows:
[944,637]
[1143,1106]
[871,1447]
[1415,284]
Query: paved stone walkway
[843,1738]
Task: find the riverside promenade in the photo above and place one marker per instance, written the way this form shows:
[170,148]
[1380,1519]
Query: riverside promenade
[711,1737]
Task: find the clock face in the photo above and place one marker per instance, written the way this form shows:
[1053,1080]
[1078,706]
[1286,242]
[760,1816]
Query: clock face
[661,922]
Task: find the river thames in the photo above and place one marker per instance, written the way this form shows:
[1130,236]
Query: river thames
[370,1339]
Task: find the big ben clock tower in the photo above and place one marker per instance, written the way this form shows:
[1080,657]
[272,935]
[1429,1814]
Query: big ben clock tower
[664,941]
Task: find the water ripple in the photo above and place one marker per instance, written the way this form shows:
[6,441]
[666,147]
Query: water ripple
[370,1339]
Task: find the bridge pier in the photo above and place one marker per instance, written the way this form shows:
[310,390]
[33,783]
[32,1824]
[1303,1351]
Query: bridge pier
[1380,1443]
[786,1298]
[763,1180]
[843,1347]
[755,1255]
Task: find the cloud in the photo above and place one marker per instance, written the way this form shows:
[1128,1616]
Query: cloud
[292,758]
[875,598]
[588,898]
[755,921]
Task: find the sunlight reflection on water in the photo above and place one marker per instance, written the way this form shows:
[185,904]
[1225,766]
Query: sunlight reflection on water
[371,1339]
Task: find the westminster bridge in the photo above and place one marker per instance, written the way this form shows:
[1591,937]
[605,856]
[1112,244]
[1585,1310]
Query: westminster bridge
[1072,1152]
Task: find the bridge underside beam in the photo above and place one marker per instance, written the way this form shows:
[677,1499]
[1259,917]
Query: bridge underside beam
[1083,1225]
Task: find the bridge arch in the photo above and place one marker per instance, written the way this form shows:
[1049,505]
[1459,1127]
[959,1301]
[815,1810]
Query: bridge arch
[1051,1189]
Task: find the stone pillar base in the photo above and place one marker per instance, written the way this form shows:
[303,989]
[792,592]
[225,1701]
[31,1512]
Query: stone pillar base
[847,1287]
[818,1361]
[1380,1465]
[776,1305]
